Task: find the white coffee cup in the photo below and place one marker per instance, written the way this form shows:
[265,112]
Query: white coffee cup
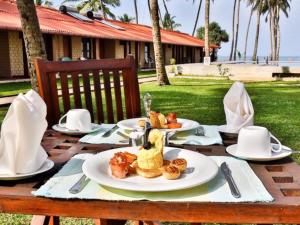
[77,119]
[255,141]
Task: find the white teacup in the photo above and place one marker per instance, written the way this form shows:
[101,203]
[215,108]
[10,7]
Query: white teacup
[256,141]
[77,119]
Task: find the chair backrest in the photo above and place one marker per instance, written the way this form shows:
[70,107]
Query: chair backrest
[92,84]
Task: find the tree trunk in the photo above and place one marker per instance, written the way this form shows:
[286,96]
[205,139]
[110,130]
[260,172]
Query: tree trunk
[207,8]
[33,39]
[278,42]
[247,35]
[237,29]
[158,51]
[271,37]
[102,8]
[167,11]
[197,18]
[233,24]
[136,12]
[254,56]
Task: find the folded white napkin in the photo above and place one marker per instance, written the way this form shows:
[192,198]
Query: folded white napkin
[238,108]
[22,131]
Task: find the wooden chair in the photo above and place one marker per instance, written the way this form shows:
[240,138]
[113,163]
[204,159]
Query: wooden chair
[99,79]
[102,94]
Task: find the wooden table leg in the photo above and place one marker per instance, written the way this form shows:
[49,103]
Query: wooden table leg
[44,220]
[109,222]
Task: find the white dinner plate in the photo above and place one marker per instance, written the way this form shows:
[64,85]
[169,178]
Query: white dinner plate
[131,124]
[200,169]
[48,164]
[275,156]
[61,129]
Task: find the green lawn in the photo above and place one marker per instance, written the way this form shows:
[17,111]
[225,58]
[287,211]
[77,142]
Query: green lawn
[17,87]
[277,106]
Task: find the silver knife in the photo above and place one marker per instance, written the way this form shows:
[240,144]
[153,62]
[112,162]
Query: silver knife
[227,174]
[110,131]
[79,185]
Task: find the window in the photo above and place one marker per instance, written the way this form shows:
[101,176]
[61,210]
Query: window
[86,48]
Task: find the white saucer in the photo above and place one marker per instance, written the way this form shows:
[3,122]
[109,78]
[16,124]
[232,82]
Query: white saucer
[48,164]
[223,129]
[275,156]
[61,129]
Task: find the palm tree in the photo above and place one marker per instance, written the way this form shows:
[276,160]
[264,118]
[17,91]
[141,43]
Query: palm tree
[136,12]
[168,15]
[48,3]
[250,3]
[206,25]
[237,29]
[169,22]
[96,5]
[197,17]
[158,51]
[233,24]
[259,5]
[32,35]
[274,9]
[125,18]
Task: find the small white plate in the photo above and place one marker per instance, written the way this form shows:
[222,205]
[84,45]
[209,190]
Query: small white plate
[275,156]
[48,164]
[61,129]
[223,129]
[131,124]
[200,169]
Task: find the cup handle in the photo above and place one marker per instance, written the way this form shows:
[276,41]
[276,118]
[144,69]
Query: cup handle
[279,143]
[60,121]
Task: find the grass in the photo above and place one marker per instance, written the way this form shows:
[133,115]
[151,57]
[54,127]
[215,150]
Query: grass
[277,106]
[17,87]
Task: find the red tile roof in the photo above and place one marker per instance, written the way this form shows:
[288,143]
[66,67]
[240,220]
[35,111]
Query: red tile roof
[54,22]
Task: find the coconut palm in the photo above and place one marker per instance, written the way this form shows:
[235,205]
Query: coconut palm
[233,36]
[96,5]
[274,8]
[48,3]
[169,22]
[158,51]
[249,3]
[32,35]
[136,12]
[168,15]
[259,7]
[237,29]
[197,17]
[125,18]
[206,25]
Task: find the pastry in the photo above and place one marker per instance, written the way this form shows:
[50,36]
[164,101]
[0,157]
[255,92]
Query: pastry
[148,173]
[150,157]
[119,165]
[180,163]
[171,118]
[154,121]
[174,125]
[170,172]
[142,123]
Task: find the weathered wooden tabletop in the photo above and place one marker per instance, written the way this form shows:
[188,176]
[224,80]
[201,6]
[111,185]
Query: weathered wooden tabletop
[281,178]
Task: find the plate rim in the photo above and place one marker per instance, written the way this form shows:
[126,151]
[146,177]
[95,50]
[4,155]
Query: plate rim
[162,188]
[174,129]
[27,175]
[258,159]
[67,131]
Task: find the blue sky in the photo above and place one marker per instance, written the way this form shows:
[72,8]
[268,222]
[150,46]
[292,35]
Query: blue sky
[221,12]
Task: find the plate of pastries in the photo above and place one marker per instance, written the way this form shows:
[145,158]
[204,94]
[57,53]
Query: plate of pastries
[151,167]
[168,122]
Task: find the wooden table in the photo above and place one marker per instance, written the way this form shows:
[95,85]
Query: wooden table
[281,178]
